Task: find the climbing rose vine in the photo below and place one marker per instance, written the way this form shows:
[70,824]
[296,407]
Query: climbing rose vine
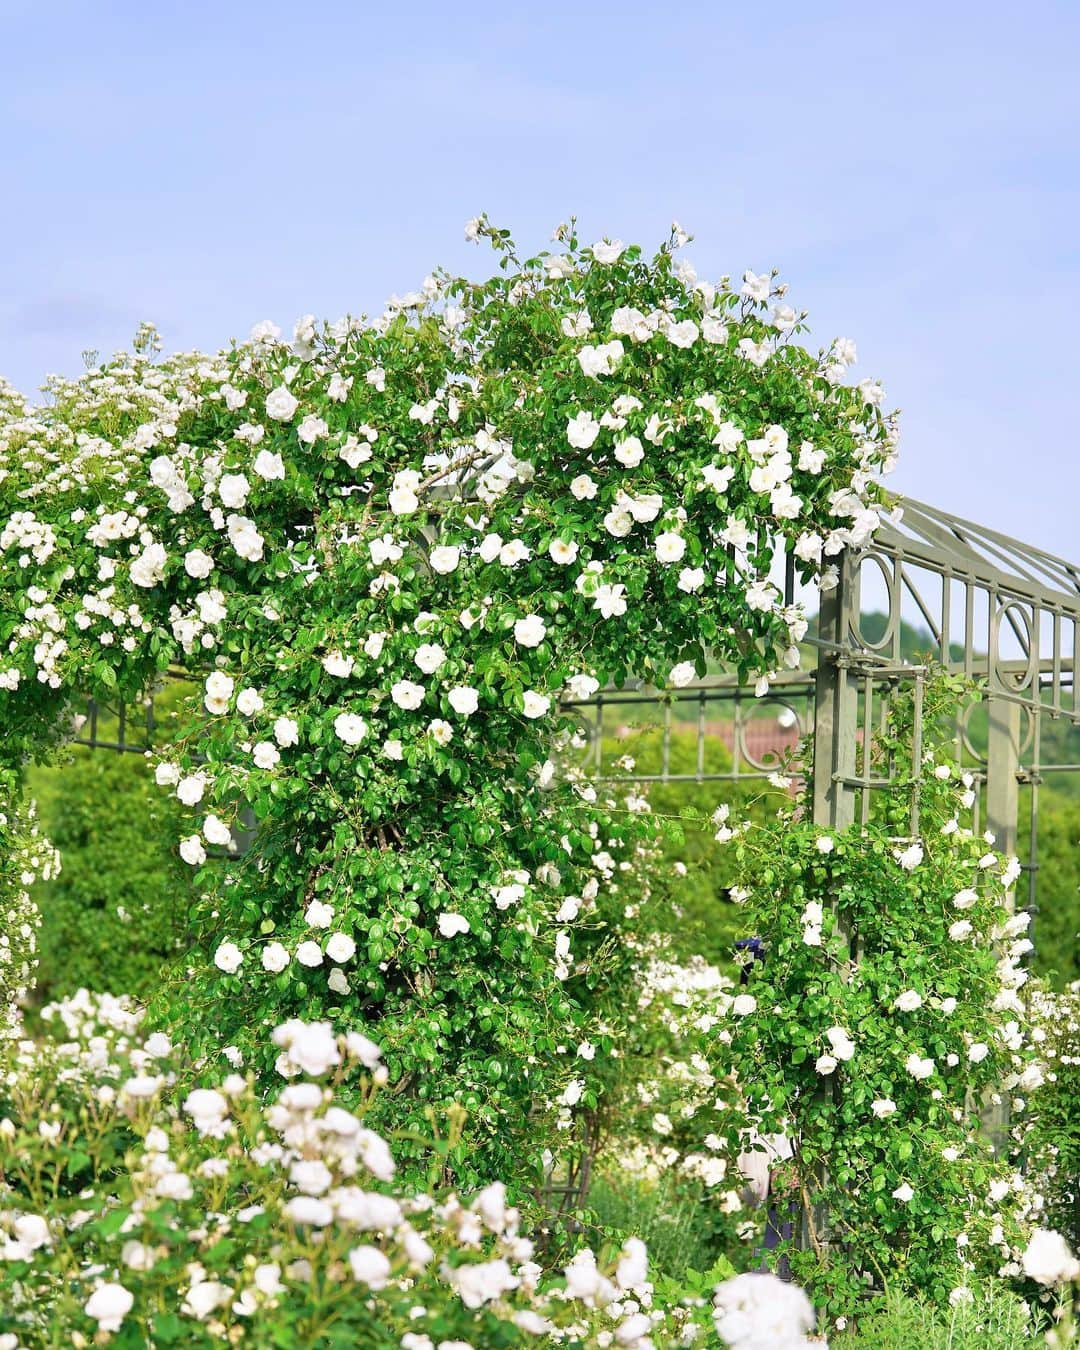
[887,1013]
[386,549]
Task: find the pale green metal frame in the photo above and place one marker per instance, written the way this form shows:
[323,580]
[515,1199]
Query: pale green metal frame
[999,611]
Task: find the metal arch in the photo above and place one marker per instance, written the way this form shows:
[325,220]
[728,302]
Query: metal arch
[988,555]
[1004,585]
[136,726]
[718,709]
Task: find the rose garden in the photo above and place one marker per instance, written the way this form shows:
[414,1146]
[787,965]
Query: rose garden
[435,1052]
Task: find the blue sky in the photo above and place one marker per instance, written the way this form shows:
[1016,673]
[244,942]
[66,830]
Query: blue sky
[912,169]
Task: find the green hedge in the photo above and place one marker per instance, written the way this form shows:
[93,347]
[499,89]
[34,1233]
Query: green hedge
[1055,927]
[118,910]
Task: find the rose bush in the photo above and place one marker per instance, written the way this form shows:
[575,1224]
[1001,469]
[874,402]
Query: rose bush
[387,548]
[136,1210]
[886,1013]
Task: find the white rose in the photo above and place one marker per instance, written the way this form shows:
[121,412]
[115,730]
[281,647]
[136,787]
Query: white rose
[645,508]
[216,832]
[403,501]
[190,789]
[445,558]
[192,851]
[1048,1260]
[233,490]
[429,656]
[108,1305]
[608,251]
[149,567]
[670,547]
[245,538]
[275,958]
[268,466]
[441,732]
[280,404]
[249,702]
[334,663]
[464,700]
[407,695]
[311,429]
[582,430]
[198,564]
[370,1266]
[683,334]
[266,755]
[530,631]
[286,732]
[228,958]
[340,947]
[919,1068]
[319,914]
[630,452]
[536,705]
[350,728]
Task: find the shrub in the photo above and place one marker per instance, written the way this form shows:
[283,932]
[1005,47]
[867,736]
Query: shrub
[386,549]
[993,1319]
[887,1004]
[1051,1141]
[118,911]
[137,1209]
[1056,928]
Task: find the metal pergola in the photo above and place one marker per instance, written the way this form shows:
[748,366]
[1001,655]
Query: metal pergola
[1001,612]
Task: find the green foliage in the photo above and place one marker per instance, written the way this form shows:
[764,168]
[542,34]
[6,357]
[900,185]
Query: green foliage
[1052,1141]
[387,550]
[878,1017]
[995,1319]
[118,911]
[676,1217]
[1056,926]
[701,919]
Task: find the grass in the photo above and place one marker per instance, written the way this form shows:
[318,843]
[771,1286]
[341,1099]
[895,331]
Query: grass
[996,1320]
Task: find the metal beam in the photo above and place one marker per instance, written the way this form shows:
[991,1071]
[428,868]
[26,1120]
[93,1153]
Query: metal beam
[835,707]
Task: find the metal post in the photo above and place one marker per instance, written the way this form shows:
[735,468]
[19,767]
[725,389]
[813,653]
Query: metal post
[836,701]
[1002,764]
[836,709]
[1002,804]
